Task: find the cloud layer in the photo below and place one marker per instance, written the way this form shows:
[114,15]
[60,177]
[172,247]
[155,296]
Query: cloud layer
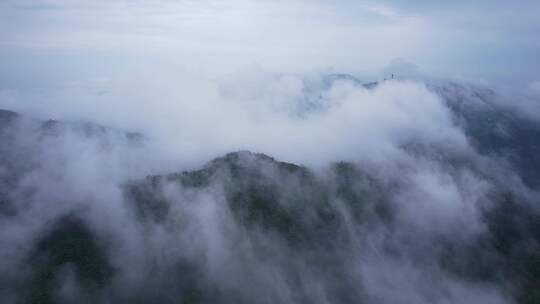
[376,227]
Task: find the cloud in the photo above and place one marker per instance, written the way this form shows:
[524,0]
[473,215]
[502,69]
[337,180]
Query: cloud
[409,188]
[401,68]
[534,88]
[403,147]
[258,111]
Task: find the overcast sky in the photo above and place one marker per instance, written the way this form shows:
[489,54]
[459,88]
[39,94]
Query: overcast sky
[47,42]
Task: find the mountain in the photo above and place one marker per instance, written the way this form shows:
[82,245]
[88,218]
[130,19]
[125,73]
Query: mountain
[306,215]
[493,129]
[26,143]
[76,226]
[318,223]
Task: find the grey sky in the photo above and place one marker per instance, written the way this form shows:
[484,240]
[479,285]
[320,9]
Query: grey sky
[49,41]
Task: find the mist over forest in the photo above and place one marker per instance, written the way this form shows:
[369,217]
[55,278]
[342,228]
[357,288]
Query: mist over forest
[269,152]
